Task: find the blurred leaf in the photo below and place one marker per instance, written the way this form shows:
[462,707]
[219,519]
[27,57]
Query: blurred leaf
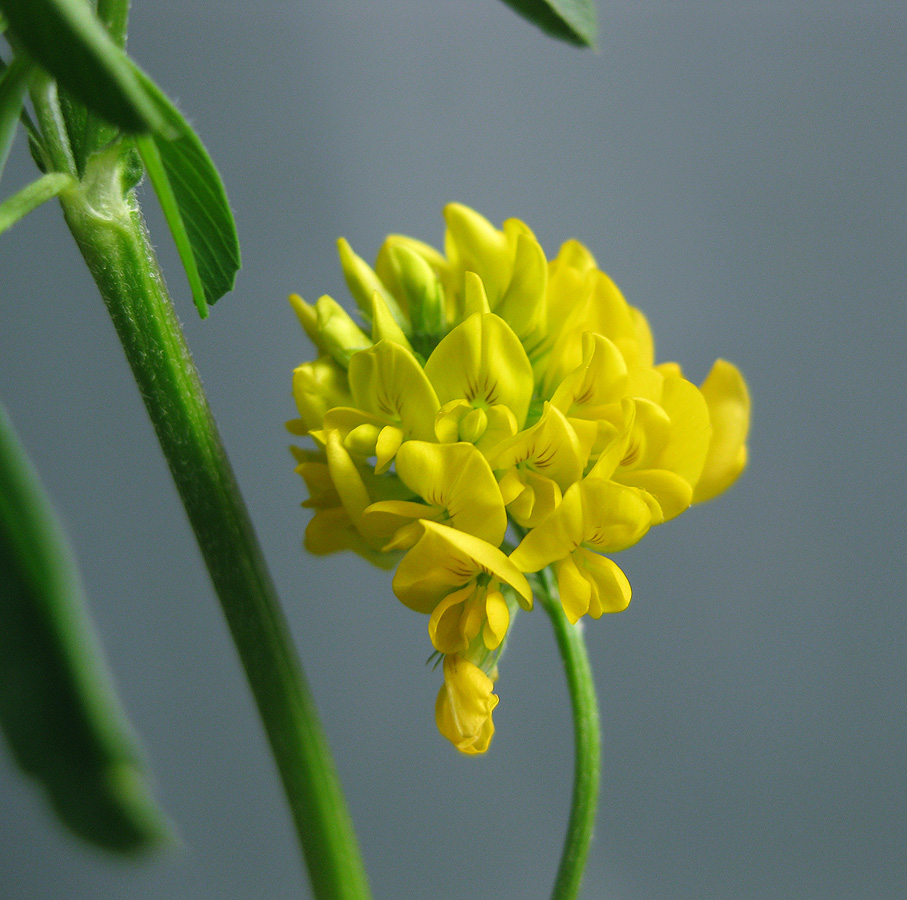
[58,708]
[35,145]
[67,39]
[13,84]
[570,20]
[194,202]
[32,196]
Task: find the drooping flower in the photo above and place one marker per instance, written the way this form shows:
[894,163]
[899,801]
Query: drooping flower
[464,705]
[457,579]
[494,414]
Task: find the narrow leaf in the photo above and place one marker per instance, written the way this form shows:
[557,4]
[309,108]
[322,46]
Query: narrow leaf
[32,196]
[572,21]
[35,145]
[68,40]
[194,202]
[13,83]
[58,708]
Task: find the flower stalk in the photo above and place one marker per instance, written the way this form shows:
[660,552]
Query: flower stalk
[107,225]
[586,738]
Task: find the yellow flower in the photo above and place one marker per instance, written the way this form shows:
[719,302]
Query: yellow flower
[482,362]
[464,706]
[457,487]
[536,465]
[595,516]
[456,579]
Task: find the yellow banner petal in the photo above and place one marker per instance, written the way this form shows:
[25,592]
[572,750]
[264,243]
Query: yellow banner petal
[483,362]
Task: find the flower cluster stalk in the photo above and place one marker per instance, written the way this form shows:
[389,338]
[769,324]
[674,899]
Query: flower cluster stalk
[587,742]
[111,235]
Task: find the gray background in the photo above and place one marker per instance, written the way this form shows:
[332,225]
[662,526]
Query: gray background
[740,172]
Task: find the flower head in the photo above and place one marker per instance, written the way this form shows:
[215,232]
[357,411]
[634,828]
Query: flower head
[494,414]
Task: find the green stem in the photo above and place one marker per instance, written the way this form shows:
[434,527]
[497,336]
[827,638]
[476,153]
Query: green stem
[587,743]
[112,238]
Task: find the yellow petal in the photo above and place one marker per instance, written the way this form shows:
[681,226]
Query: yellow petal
[497,619]
[464,706]
[604,515]
[386,446]
[538,499]
[610,587]
[550,447]
[556,537]
[483,362]
[672,493]
[614,517]
[388,381]
[445,626]
[728,400]
[600,380]
[384,326]
[473,244]
[574,590]
[346,478]
[444,560]
[688,444]
[457,479]
[386,517]
[522,305]
[332,531]
[475,300]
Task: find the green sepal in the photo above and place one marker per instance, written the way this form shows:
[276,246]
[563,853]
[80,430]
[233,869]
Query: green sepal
[194,202]
[32,196]
[58,708]
[69,41]
[572,21]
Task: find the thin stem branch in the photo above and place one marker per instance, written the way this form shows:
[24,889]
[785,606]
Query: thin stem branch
[587,743]
[111,235]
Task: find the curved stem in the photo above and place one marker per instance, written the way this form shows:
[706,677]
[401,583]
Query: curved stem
[111,235]
[587,743]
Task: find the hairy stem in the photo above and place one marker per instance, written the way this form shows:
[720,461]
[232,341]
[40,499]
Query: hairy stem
[111,235]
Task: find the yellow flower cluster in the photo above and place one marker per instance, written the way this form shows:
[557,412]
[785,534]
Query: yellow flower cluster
[497,414]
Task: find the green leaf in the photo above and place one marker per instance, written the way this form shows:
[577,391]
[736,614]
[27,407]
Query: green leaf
[32,196]
[35,144]
[67,39]
[194,202]
[13,84]
[570,20]
[58,708]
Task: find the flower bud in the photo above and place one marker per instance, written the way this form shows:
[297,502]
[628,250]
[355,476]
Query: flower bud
[464,706]
[330,328]
[416,283]
[363,282]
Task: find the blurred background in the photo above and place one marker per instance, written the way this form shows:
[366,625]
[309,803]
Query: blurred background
[739,170]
